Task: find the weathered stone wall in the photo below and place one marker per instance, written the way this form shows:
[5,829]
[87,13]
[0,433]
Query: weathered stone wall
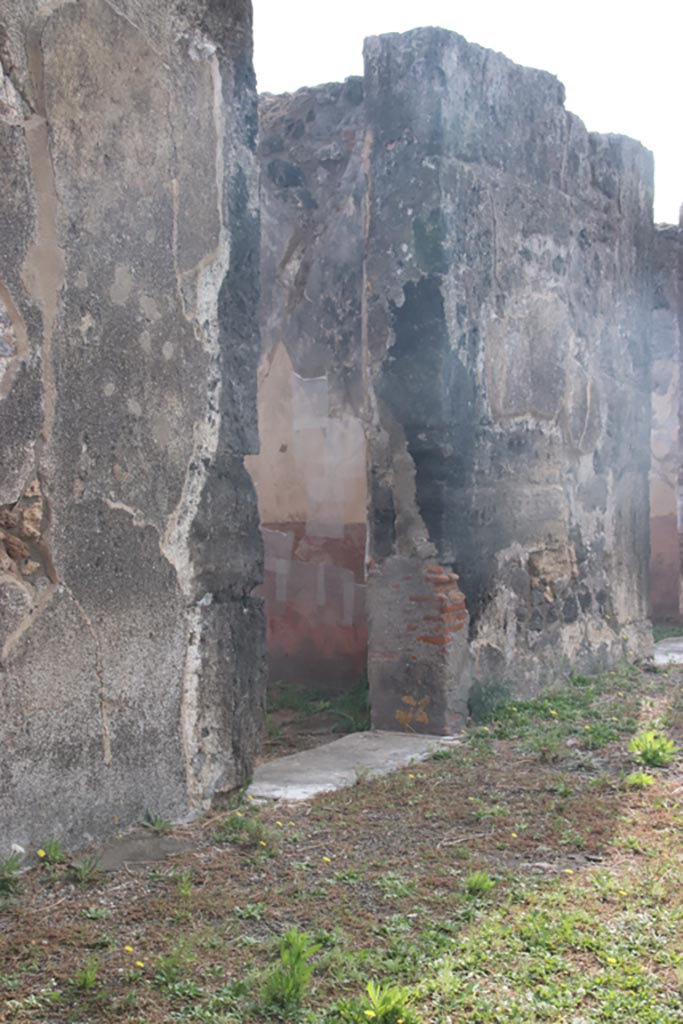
[131,647]
[665,477]
[497,258]
[506,343]
[311,474]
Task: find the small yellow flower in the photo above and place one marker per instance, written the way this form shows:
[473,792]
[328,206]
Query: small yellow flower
[410,775]
[630,654]
[620,693]
[291,823]
[514,835]
[586,726]
[470,798]
[614,718]
[568,871]
[622,892]
[262,842]
[279,824]
[370,1013]
[485,728]
[239,814]
[250,797]
[41,853]
[611,960]
[608,616]
[328,860]
[139,963]
[128,949]
[513,708]
[553,711]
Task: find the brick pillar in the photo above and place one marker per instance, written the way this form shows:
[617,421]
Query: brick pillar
[418,663]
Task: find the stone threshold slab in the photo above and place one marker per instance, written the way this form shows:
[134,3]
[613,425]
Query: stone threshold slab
[342,763]
[669,651]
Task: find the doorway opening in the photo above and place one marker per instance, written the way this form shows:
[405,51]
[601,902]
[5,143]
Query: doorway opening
[310,479]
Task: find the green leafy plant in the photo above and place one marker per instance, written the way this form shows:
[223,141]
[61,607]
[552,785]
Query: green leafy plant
[243,830]
[53,852]
[478,883]
[86,871]
[184,885]
[86,977]
[444,754]
[653,749]
[250,912]
[155,823]
[546,745]
[394,885]
[639,780]
[382,1004]
[287,983]
[171,967]
[10,884]
[96,913]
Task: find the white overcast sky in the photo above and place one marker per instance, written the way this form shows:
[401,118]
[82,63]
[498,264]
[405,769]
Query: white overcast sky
[621,63]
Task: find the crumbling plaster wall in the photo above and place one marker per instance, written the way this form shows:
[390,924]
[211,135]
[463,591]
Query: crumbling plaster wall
[131,649]
[310,474]
[506,341]
[665,477]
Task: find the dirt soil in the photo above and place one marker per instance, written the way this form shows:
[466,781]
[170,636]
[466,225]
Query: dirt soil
[530,798]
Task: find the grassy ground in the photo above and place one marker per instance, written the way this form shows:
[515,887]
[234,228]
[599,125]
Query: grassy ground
[517,878]
[299,718]
[665,630]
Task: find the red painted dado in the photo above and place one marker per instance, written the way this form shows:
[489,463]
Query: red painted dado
[665,569]
[314,593]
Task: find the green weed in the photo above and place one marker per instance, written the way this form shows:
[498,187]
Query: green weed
[171,967]
[87,871]
[52,853]
[382,1004]
[653,749]
[10,883]
[444,754]
[395,885]
[86,977]
[155,823]
[250,912]
[478,883]
[184,885]
[243,830]
[287,983]
[639,780]
[96,913]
